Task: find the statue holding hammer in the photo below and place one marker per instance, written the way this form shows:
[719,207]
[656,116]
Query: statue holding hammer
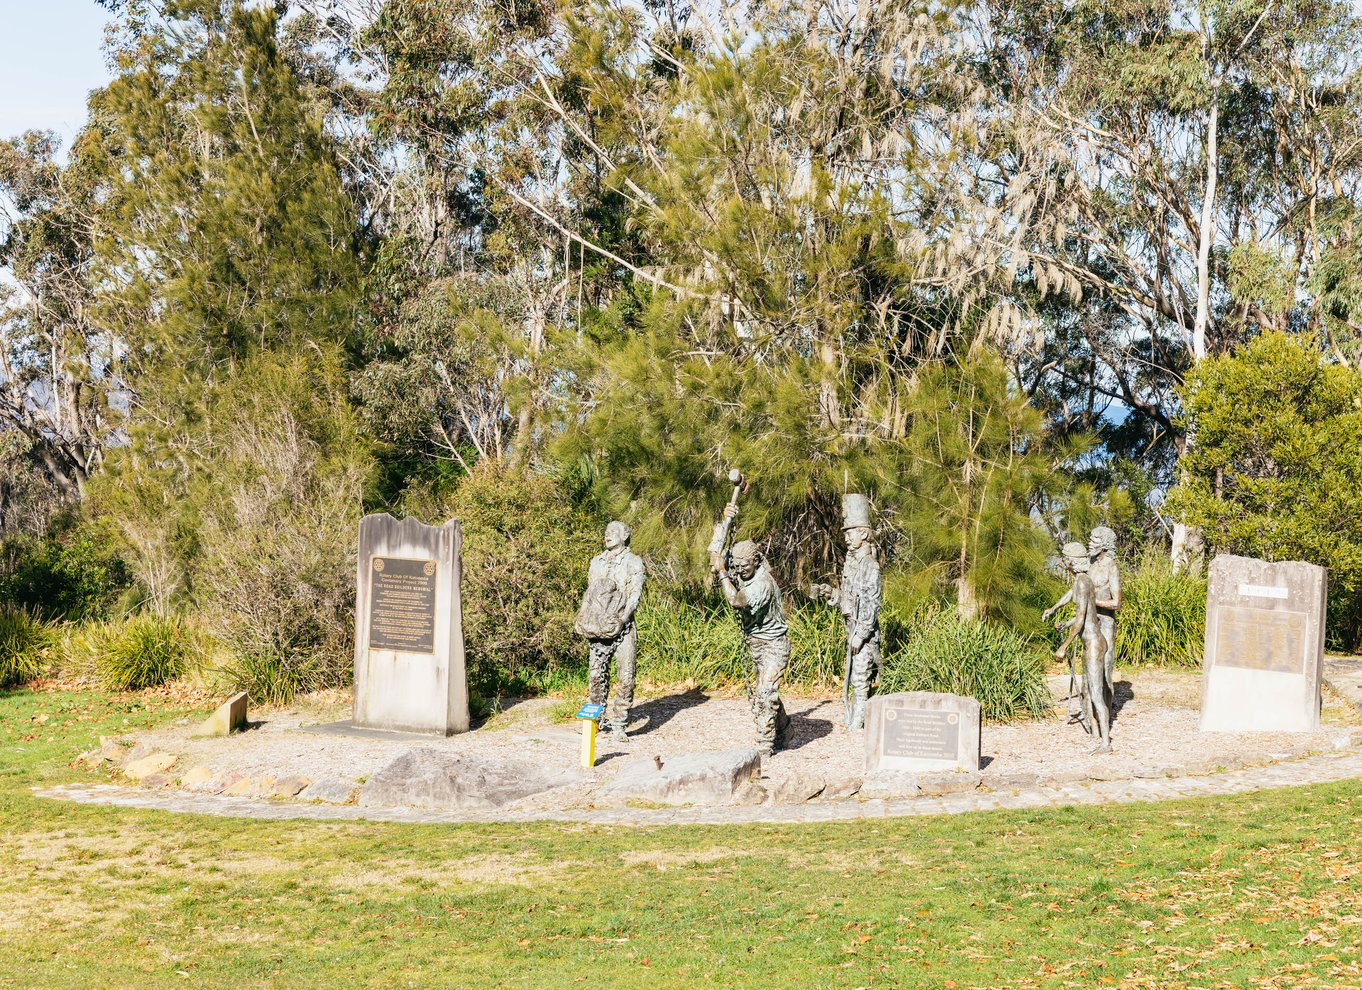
[752,591]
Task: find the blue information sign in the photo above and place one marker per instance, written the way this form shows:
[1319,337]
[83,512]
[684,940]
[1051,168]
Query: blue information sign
[591,711]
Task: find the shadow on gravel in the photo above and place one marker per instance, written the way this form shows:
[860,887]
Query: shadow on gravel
[804,730]
[1121,692]
[660,711]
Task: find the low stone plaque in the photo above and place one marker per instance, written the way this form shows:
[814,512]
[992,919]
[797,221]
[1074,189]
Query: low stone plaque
[409,655]
[922,730]
[1264,646]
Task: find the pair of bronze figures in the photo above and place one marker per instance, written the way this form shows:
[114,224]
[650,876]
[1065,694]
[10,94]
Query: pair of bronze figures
[1096,595]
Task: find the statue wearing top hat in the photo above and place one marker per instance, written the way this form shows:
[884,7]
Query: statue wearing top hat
[858,598]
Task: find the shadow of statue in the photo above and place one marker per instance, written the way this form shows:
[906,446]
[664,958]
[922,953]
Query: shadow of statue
[803,730]
[660,711]
[1121,692]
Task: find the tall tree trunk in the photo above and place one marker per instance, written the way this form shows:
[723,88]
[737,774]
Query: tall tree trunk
[1186,538]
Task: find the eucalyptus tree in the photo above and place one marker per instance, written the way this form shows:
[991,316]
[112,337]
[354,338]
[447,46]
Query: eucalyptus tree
[60,371]
[1193,166]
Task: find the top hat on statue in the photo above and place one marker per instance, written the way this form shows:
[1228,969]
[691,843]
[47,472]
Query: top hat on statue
[855,512]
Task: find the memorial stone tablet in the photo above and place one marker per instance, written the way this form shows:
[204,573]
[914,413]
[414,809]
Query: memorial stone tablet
[409,655]
[1264,646]
[922,730]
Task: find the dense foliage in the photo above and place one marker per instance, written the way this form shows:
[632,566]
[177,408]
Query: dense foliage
[539,265]
[1276,469]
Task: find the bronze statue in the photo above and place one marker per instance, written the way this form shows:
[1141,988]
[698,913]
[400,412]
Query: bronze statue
[606,618]
[750,588]
[858,598]
[1106,582]
[1096,689]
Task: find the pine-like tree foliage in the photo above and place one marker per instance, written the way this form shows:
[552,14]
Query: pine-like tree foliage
[1276,470]
[232,277]
[230,230]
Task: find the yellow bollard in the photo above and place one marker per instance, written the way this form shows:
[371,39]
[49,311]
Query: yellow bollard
[589,714]
[588,742]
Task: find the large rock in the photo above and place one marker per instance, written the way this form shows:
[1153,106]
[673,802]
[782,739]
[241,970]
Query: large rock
[428,778]
[690,778]
[144,767]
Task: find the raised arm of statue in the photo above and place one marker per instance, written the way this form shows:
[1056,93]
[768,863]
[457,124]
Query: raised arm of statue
[1068,597]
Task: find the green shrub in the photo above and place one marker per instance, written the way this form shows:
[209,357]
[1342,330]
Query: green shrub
[277,680]
[525,554]
[23,644]
[74,574]
[699,641]
[140,652]
[1163,615]
[995,665]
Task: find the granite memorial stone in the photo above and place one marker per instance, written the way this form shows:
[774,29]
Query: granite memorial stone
[922,730]
[409,656]
[1264,646]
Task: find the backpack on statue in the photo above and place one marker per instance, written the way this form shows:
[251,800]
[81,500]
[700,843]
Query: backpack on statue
[602,613]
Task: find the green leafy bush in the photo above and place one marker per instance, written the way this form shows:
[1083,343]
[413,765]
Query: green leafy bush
[525,554]
[929,648]
[23,641]
[1276,470]
[73,574]
[942,651]
[140,652]
[1163,615]
[698,640]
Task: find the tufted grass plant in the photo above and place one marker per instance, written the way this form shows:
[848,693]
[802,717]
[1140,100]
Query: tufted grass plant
[141,651]
[941,651]
[23,646]
[1163,615]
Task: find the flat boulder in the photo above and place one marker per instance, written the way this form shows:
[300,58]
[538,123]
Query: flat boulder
[428,778]
[689,778]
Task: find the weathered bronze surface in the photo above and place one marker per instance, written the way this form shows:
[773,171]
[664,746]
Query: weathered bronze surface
[918,733]
[1260,639]
[402,605]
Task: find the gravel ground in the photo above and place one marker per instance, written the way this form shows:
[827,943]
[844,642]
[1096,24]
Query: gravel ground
[1155,734]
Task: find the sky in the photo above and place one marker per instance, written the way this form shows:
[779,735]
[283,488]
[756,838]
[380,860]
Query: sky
[50,59]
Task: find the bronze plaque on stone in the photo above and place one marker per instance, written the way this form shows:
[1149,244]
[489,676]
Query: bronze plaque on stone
[402,605]
[919,733]
[1260,639]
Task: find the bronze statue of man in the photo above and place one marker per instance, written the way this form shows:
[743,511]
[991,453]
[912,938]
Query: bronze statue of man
[1106,582]
[858,599]
[1084,624]
[614,585]
[750,588]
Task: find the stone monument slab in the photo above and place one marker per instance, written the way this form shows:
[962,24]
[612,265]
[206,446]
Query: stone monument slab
[409,655]
[922,730]
[1264,646]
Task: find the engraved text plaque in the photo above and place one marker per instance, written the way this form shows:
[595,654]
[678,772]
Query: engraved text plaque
[1260,639]
[402,605]
[921,734]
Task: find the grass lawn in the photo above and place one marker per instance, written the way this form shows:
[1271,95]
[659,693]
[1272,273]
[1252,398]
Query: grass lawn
[1257,891]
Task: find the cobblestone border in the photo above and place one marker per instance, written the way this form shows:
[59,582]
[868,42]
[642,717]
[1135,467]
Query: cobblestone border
[1327,768]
